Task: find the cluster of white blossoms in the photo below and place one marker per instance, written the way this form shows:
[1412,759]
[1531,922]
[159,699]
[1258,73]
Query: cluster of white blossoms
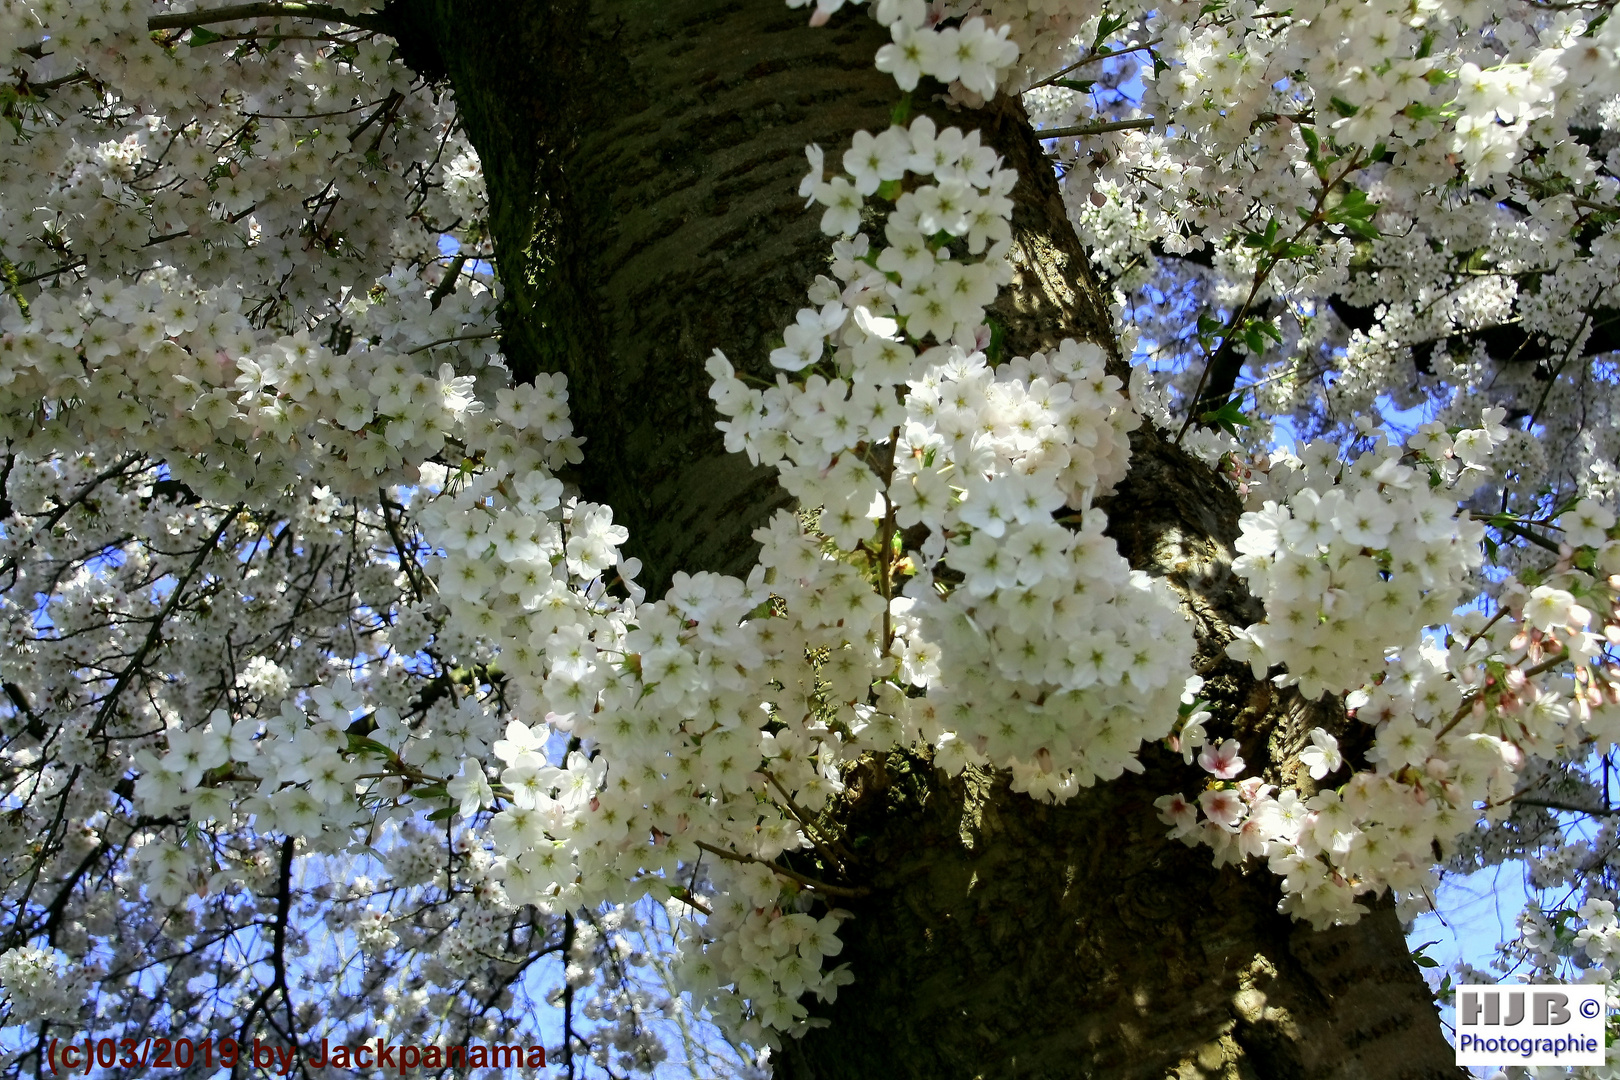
[232,345]
[1041,650]
[969,53]
[1352,558]
[700,713]
[1456,722]
[1480,136]
[171,369]
[769,956]
[961,42]
[1052,649]
[38,985]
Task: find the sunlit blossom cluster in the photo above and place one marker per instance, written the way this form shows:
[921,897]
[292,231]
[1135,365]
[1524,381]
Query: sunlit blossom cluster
[1457,723]
[1351,558]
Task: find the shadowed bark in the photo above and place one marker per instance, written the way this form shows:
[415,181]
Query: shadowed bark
[641,158]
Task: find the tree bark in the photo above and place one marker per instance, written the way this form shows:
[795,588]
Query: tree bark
[641,158]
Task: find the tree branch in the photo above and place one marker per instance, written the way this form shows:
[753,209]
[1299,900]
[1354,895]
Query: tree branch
[810,830]
[1083,130]
[185,20]
[1098,54]
[793,875]
[152,635]
[450,340]
[1556,804]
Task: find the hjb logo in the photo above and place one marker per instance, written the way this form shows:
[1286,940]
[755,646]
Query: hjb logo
[1531,1024]
[1548,1008]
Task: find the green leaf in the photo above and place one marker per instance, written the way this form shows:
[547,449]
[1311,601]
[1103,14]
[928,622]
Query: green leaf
[1229,416]
[997,347]
[359,744]
[1364,230]
[1313,143]
[1107,27]
[902,111]
[1265,239]
[1355,203]
[1256,331]
[1343,107]
[1081,85]
[890,190]
[1421,959]
[441,813]
[201,35]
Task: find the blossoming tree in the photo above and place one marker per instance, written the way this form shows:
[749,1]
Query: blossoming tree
[1039,594]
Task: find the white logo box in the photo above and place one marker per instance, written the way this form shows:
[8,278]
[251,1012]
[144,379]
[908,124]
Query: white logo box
[1530,1024]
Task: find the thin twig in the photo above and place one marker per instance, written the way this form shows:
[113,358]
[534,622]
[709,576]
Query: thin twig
[406,562]
[156,631]
[1525,534]
[44,853]
[778,868]
[1555,804]
[804,819]
[1100,54]
[1500,612]
[1218,361]
[449,340]
[684,895]
[1468,702]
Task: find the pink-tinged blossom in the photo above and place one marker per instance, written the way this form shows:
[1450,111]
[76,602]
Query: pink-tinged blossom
[1222,762]
[1223,806]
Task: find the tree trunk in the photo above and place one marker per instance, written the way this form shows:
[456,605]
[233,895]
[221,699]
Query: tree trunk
[641,158]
